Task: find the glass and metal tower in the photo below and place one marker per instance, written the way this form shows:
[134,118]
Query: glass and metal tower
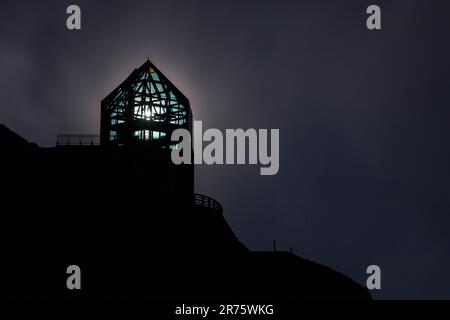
[144,110]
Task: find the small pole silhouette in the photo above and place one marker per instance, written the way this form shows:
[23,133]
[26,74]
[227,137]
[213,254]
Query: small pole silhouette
[274,245]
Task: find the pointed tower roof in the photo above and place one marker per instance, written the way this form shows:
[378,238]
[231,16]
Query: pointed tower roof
[145,108]
[147,68]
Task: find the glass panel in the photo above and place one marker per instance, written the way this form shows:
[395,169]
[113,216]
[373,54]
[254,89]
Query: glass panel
[155,76]
[159,87]
[112,135]
[148,113]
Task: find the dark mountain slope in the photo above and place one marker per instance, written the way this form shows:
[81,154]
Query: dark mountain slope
[124,216]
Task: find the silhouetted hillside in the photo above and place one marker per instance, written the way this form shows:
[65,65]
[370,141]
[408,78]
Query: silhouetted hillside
[121,214]
[11,140]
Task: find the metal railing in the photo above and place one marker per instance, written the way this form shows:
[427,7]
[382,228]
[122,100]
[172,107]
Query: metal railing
[207,202]
[78,140]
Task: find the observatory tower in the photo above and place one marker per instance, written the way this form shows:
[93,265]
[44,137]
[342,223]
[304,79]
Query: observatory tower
[144,110]
[139,117]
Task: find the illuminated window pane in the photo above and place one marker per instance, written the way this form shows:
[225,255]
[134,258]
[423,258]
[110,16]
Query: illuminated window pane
[155,76]
[112,135]
[152,88]
[159,87]
[148,113]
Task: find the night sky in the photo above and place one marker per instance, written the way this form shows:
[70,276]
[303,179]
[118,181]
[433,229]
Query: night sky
[363,116]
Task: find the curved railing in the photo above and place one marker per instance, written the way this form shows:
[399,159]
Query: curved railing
[207,202]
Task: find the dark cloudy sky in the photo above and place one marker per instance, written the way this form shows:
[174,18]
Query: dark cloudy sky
[363,116]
